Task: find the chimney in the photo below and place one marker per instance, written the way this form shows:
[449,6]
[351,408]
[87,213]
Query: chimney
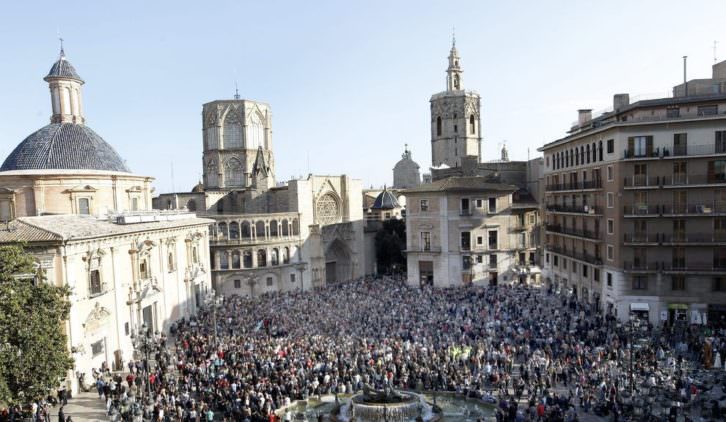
[620,101]
[584,116]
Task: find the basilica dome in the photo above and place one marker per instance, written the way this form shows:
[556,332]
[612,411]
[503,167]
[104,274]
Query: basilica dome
[385,201]
[64,146]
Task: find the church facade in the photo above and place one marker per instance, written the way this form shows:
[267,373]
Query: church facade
[298,235]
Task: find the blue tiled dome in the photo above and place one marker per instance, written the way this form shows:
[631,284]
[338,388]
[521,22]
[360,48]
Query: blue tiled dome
[63,69]
[385,201]
[64,146]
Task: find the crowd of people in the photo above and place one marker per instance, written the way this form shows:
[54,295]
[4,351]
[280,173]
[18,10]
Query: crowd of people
[534,353]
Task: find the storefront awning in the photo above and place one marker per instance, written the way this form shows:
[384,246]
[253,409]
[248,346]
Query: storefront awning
[639,307]
[677,306]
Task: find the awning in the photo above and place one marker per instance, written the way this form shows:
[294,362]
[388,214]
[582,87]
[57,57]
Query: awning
[677,306]
[639,307]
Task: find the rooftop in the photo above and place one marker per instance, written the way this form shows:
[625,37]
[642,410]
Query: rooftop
[462,184]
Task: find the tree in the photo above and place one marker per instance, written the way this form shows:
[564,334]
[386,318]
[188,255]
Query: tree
[390,243]
[33,351]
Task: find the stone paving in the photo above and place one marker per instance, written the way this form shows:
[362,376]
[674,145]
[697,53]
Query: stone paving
[83,407]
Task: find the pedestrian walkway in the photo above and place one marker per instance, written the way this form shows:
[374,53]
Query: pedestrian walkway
[83,407]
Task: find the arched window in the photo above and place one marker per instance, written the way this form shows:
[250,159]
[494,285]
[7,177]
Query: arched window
[195,255]
[594,153]
[285,228]
[222,230]
[286,255]
[170,261]
[261,258]
[247,259]
[438,126]
[599,150]
[233,230]
[582,154]
[232,131]
[191,205]
[144,271]
[255,132]
[260,229]
[212,173]
[273,228]
[223,262]
[274,257]
[577,158]
[587,154]
[472,124]
[246,233]
[295,227]
[233,173]
[456,81]
[235,260]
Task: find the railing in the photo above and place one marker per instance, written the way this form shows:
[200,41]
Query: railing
[692,179]
[465,213]
[424,249]
[629,153]
[707,208]
[641,266]
[716,237]
[676,266]
[579,209]
[590,259]
[641,181]
[641,237]
[677,151]
[589,234]
[588,184]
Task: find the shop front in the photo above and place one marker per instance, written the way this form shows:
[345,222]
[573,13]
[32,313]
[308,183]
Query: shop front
[717,315]
[677,313]
[640,310]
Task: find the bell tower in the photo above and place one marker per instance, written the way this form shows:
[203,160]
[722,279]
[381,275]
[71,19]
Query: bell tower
[455,118]
[65,91]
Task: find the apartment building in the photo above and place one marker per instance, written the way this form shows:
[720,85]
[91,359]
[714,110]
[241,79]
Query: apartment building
[463,230]
[635,206]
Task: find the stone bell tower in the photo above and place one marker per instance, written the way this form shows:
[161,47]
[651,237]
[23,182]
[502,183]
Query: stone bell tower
[455,118]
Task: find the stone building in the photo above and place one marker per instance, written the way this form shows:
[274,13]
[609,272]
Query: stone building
[87,219]
[406,172]
[267,237]
[636,207]
[463,230]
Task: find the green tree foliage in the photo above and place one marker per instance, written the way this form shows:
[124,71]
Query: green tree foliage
[390,243]
[33,354]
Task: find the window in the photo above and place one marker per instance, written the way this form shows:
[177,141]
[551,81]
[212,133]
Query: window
[611,226]
[466,262]
[719,258]
[479,259]
[640,283]
[556,260]
[611,146]
[493,260]
[438,126]
[426,241]
[424,205]
[95,282]
[610,173]
[492,205]
[611,199]
[611,253]
[479,240]
[269,281]
[464,206]
[547,258]
[247,259]
[564,263]
[673,112]
[465,241]
[599,149]
[719,284]
[238,284]
[232,131]
[472,124]
[640,146]
[134,204]
[720,141]
[144,269]
[717,171]
[609,279]
[6,210]
[479,203]
[97,348]
[584,270]
[223,260]
[678,282]
[492,239]
[708,110]
[233,175]
[680,143]
[261,258]
[84,206]
[195,255]
[170,261]
[596,274]
[292,278]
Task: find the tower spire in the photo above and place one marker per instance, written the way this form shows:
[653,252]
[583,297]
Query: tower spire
[453,79]
[62,53]
[236,91]
[453,37]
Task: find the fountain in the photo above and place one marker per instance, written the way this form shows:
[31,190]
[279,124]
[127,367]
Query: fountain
[387,405]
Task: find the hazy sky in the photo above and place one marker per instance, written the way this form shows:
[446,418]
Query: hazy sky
[349,82]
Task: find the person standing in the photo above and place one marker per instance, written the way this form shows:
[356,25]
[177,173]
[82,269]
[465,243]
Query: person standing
[61,415]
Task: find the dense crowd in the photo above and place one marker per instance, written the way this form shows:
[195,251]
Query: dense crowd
[536,354]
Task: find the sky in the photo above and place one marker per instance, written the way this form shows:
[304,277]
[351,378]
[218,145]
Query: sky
[349,82]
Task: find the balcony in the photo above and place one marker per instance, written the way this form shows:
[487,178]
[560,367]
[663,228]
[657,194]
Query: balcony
[678,180]
[588,184]
[425,249]
[704,209]
[580,256]
[693,238]
[465,213]
[643,267]
[584,233]
[642,181]
[575,209]
[693,267]
[641,238]
[676,151]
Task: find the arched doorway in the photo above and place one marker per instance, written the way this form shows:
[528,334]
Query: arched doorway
[337,262]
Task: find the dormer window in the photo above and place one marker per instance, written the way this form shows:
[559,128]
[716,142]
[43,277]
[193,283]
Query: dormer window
[84,206]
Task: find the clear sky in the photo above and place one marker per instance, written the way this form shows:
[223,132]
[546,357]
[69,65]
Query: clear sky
[348,81]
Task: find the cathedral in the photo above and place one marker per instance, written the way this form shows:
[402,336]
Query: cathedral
[270,237]
[73,203]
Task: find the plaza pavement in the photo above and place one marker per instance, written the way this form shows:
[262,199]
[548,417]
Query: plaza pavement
[83,407]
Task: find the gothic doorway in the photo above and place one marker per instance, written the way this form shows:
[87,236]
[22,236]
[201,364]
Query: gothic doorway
[337,262]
